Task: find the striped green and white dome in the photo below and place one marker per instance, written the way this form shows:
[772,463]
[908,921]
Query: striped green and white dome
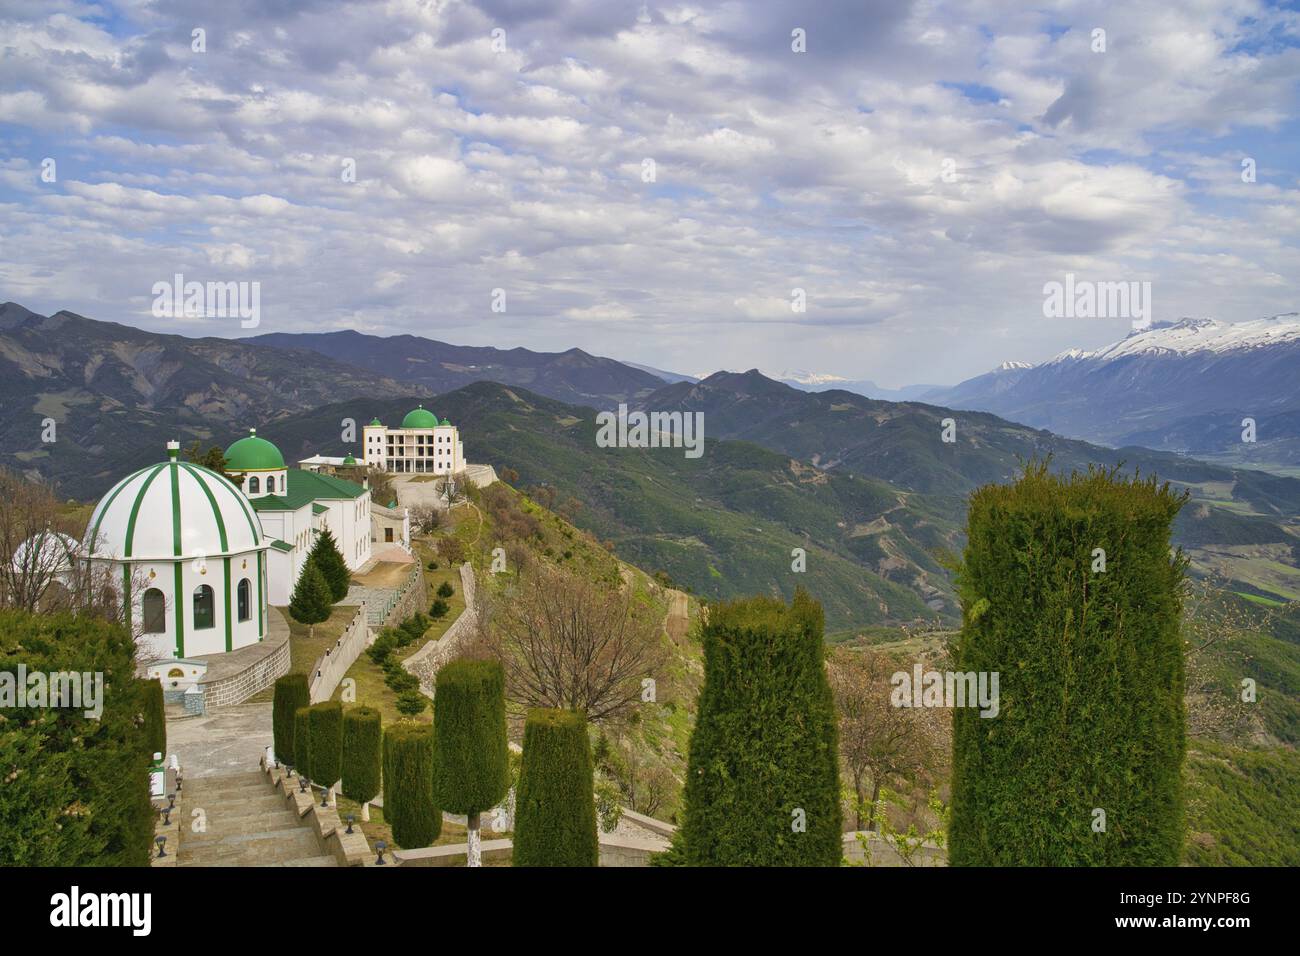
[175,509]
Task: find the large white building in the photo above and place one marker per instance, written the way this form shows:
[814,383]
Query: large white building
[422,445]
[199,559]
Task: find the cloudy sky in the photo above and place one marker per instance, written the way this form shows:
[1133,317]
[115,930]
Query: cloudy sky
[920,171]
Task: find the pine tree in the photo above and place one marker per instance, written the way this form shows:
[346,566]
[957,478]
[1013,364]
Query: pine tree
[325,553]
[1071,597]
[326,727]
[310,603]
[302,742]
[410,799]
[555,816]
[762,781]
[471,753]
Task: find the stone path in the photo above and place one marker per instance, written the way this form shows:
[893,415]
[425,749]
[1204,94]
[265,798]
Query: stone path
[245,823]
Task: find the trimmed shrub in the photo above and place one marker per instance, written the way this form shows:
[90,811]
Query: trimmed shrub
[362,753]
[469,717]
[1090,664]
[302,742]
[410,807]
[762,781]
[74,791]
[445,590]
[291,692]
[326,723]
[411,703]
[555,808]
[155,719]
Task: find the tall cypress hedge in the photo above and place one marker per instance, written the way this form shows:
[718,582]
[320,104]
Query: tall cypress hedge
[291,693]
[469,720]
[1090,664]
[155,718]
[302,742]
[762,781]
[362,736]
[470,747]
[326,723]
[555,808]
[74,790]
[410,807]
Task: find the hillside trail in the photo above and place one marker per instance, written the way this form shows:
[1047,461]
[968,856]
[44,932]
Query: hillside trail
[677,620]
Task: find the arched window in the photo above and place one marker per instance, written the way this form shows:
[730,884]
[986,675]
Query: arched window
[253,485]
[154,612]
[243,597]
[204,614]
[270,484]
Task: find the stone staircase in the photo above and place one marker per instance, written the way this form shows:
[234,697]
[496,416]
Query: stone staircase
[249,823]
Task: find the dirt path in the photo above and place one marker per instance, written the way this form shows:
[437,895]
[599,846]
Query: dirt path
[677,621]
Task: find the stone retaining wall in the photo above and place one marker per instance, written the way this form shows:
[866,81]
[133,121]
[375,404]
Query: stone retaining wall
[334,663]
[229,689]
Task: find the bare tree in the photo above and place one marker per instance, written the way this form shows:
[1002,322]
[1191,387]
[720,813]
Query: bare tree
[425,519]
[568,642]
[878,741]
[36,549]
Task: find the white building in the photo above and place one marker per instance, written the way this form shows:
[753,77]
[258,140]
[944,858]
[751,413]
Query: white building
[198,559]
[423,445]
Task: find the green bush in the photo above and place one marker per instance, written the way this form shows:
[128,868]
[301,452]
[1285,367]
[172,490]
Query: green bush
[445,590]
[438,609]
[410,806]
[155,718]
[326,723]
[1090,666]
[555,809]
[762,781]
[362,753]
[411,703]
[469,717]
[291,692]
[74,791]
[302,742]
[383,646]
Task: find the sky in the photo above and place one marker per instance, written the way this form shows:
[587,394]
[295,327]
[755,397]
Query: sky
[651,181]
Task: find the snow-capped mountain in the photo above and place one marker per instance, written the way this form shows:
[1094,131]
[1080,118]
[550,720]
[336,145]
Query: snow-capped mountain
[1181,386]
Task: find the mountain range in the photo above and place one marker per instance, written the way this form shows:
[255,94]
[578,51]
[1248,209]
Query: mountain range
[870,489]
[1186,386]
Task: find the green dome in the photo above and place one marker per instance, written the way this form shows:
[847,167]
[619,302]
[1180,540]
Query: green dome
[445,422]
[349,460]
[420,418]
[253,454]
[376,421]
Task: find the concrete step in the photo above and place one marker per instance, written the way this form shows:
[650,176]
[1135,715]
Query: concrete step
[310,861]
[261,848]
[228,781]
[237,803]
[224,827]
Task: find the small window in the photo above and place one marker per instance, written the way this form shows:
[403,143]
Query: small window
[155,612]
[204,608]
[243,598]
[254,486]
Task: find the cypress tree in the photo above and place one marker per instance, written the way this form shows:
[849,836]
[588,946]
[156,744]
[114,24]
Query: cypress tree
[1070,594]
[762,783]
[291,693]
[410,805]
[302,742]
[555,815]
[310,603]
[362,736]
[155,719]
[469,720]
[326,727]
[326,555]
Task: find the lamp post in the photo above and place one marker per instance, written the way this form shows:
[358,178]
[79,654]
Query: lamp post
[162,846]
[381,846]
